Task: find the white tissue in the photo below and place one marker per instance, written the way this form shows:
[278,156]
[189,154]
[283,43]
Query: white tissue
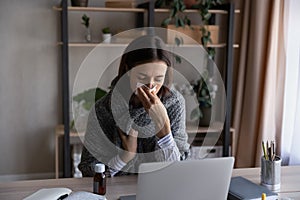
[141,84]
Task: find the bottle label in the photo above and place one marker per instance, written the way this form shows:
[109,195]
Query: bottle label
[96,187]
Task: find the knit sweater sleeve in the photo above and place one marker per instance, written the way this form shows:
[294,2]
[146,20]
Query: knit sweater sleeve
[98,147]
[174,146]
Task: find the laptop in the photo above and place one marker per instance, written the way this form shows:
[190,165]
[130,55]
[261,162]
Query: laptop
[190,179]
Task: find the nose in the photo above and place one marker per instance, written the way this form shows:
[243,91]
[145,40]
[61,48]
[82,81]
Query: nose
[151,84]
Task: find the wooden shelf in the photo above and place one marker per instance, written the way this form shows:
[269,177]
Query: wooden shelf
[82,44]
[165,10]
[157,10]
[101,9]
[59,131]
[215,127]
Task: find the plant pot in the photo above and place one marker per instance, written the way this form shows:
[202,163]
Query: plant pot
[80,3]
[189,3]
[191,34]
[106,37]
[88,36]
[205,120]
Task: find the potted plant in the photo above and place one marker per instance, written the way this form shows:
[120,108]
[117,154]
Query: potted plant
[205,91]
[106,35]
[203,7]
[82,104]
[180,19]
[86,23]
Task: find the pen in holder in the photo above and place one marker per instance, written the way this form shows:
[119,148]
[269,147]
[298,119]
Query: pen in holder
[270,173]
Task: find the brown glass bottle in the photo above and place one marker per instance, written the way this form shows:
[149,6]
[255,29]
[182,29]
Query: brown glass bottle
[99,179]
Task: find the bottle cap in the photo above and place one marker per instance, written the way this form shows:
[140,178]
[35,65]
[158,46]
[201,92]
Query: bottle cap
[99,168]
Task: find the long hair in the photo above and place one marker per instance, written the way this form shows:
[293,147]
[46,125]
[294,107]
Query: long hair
[142,50]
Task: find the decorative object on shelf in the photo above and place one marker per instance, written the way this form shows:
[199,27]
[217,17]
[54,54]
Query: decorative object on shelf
[86,23]
[80,3]
[106,35]
[121,3]
[205,91]
[189,3]
[194,32]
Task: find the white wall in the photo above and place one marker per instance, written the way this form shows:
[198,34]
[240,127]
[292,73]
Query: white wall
[30,80]
[29,86]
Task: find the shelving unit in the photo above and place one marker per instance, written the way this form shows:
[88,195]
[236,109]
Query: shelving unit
[195,131]
[146,8]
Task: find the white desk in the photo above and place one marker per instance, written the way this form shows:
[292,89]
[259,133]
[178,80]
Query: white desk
[117,186]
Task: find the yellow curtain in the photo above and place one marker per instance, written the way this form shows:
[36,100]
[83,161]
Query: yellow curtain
[259,85]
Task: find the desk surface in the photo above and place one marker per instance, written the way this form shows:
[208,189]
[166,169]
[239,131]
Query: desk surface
[116,186]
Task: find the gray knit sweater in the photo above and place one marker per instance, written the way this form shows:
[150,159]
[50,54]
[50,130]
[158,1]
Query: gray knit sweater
[102,140]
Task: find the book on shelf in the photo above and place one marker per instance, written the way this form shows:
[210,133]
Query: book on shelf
[63,193]
[242,188]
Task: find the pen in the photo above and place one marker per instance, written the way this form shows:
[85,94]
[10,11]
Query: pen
[63,197]
[270,153]
[267,149]
[273,150]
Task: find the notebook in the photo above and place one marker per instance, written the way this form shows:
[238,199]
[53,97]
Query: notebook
[191,179]
[63,193]
[242,188]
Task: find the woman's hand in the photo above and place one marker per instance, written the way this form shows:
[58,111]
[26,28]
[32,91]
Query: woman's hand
[129,143]
[156,110]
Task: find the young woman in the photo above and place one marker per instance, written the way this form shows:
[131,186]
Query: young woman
[142,118]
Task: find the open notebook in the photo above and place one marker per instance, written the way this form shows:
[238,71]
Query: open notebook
[63,193]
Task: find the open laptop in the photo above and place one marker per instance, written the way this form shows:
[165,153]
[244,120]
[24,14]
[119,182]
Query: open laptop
[191,179]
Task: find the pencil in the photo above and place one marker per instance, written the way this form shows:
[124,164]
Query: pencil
[264,150]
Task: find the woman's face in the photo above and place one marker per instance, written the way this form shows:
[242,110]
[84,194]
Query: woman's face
[150,74]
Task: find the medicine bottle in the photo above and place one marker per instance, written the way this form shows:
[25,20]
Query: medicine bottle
[99,179]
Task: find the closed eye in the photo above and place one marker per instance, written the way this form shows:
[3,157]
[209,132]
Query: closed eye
[141,77]
[158,79]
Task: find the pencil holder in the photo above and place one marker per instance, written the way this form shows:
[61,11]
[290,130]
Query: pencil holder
[270,173]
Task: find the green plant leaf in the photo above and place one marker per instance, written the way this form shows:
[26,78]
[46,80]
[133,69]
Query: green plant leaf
[187,21]
[177,41]
[196,114]
[182,8]
[178,59]
[89,97]
[106,30]
[85,20]
[166,22]
[181,22]
[173,13]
